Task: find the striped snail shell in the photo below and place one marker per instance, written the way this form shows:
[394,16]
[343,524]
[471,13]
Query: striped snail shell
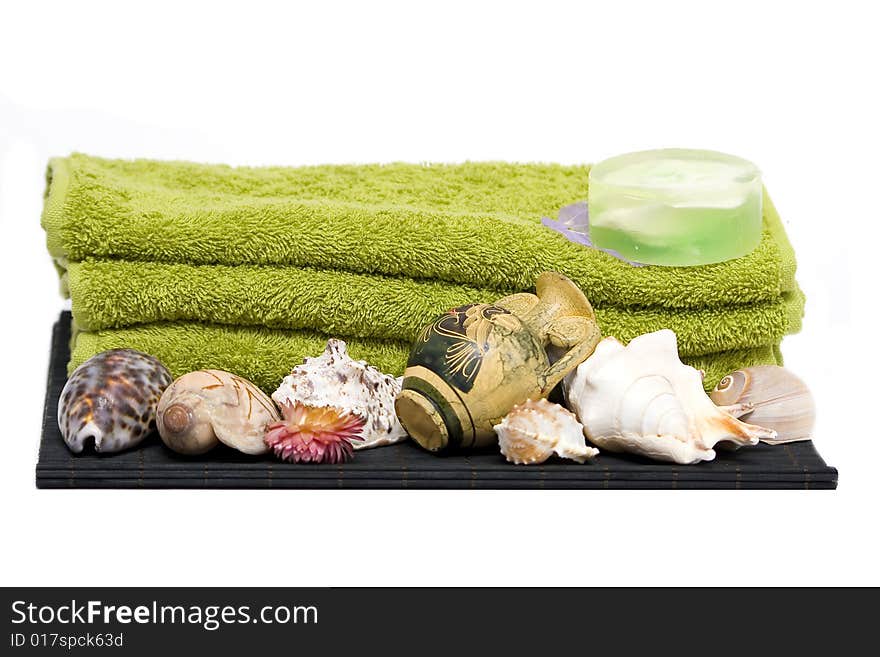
[772,397]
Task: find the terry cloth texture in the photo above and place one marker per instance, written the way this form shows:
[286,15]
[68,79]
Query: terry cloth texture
[114,294]
[474,224]
[251,269]
[265,355]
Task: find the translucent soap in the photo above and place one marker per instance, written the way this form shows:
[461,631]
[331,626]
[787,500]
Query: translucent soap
[676,207]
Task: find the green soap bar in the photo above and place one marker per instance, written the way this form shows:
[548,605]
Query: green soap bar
[676,207]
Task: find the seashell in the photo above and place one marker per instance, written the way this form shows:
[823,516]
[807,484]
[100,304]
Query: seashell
[335,380]
[769,396]
[204,408]
[314,434]
[535,430]
[110,400]
[642,399]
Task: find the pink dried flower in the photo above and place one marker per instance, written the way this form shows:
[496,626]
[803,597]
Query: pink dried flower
[313,434]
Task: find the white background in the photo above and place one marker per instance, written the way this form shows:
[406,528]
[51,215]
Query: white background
[791,86]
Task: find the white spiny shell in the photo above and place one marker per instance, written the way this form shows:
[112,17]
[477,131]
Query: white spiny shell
[642,399]
[335,380]
[533,431]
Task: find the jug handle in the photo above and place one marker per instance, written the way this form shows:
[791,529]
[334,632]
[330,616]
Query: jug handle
[581,334]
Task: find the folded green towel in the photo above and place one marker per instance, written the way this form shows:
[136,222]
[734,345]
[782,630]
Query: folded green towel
[265,355]
[473,223]
[114,294]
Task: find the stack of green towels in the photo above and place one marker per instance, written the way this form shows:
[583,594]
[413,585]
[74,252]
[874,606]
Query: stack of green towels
[251,269]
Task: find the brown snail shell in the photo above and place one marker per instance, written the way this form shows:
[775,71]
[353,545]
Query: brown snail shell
[769,396]
[204,408]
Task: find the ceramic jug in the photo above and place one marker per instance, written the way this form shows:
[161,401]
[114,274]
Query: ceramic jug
[471,365]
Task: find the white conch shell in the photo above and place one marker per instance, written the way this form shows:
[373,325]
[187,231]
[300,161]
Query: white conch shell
[770,396]
[335,380]
[533,431]
[642,399]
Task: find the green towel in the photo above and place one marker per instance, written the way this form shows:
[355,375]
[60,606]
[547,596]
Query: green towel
[474,224]
[265,355]
[114,294]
